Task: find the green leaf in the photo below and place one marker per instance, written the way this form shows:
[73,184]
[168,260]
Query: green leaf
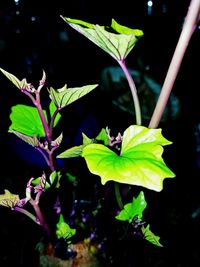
[118,44]
[19,84]
[71,178]
[33,141]
[149,236]
[76,151]
[65,96]
[102,136]
[139,163]
[72,152]
[26,120]
[64,230]
[54,178]
[8,199]
[130,210]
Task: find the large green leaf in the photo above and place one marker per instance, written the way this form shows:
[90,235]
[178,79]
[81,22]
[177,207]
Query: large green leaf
[26,120]
[65,96]
[139,163]
[118,44]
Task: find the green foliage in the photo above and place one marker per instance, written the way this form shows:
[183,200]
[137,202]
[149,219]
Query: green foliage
[64,230]
[65,96]
[149,236]
[26,120]
[54,178]
[76,150]
[135,208]
[135,158]
[23,84]
[139,162]
[118,44]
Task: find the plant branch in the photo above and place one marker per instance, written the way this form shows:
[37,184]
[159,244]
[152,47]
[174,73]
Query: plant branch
[189,26]
[133,91]
[118,196]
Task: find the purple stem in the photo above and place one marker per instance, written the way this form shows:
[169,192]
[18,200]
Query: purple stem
[133,91]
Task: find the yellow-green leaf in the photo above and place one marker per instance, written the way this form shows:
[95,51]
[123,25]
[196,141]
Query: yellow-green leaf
[139,163]
[65,96]
[118,44]
[8,199]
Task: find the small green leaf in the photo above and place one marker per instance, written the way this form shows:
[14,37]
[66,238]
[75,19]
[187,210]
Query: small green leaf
[65,96]
[55,178]
[33,141]
[71,178]
[26,120]
[130,210]
[149,236]
[102,136]
[72,152]
[58,140]
[36,181]
[139,163]
[64,230]
[118,44]
[86,140]
[8,199]
[19,84]
[76,151]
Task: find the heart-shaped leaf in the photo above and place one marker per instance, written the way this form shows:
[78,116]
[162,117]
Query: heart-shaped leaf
[118,44]
[139,163]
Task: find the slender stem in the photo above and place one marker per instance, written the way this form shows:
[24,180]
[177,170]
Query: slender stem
[133,91]
[27,213]
[40,218]
[42,117]
[186,34]
[118,196]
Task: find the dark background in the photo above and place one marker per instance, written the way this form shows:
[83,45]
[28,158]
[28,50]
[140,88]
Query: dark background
[34,37]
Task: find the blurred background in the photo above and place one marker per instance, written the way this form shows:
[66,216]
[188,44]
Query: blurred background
[33,37]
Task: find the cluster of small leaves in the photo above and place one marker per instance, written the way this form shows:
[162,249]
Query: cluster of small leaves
[133,213]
